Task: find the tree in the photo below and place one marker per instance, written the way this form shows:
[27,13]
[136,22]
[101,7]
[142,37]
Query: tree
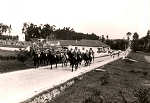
[148,32]
[107,37]
[24,30]
[134,44]
[103,38]
[48,31]
[31,31]
[128,38]
[128,35]
[3,28]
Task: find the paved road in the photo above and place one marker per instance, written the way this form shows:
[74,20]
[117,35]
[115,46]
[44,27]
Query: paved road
[21,85]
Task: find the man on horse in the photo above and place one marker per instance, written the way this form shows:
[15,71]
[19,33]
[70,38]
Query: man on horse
[91,54]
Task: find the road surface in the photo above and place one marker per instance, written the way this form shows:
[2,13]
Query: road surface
[18,86]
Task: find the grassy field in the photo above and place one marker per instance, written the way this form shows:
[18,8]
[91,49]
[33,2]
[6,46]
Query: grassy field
[122,82]
[12,64]
[7,53]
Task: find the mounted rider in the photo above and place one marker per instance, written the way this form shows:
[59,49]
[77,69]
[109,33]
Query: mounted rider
[91,53]
[75,52]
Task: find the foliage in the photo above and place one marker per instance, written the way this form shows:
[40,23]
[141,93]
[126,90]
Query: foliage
[22,55]
[142,44]
[4,28]
[134,44]
[8,37]
[47,31]
[128,35]
[142,95]
[7,55]
[117,44]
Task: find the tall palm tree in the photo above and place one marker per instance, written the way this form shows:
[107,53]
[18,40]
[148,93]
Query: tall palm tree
[128,38]
[128,35]
[148,32]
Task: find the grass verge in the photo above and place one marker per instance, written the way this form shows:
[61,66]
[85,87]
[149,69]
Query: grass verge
[123,82]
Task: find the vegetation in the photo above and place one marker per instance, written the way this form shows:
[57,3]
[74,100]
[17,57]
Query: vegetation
[122,82]
[47,31]
[23,55]
[4,28]
[9,62]
[14,65]
[8,37]
[117,44]
[8,55]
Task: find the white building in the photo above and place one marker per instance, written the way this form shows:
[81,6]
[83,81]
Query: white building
[97,46]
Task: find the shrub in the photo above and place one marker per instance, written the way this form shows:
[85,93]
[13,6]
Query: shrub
[142,95]
[104,79]
[22,56]
[145,73]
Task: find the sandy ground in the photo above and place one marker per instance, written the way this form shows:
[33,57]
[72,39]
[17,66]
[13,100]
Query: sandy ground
[21,85]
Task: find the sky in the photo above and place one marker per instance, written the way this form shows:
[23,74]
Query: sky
[102,17]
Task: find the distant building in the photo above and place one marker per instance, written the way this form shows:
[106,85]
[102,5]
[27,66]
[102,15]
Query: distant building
[96,45]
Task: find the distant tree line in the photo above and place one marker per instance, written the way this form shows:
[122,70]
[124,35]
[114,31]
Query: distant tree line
[117,44]
[50,32]
[142,44]
[136,44]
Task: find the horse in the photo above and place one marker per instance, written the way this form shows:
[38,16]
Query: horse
[43,58]
[36,59]
[87,58]
[64,59]
[52,59]
[73,59]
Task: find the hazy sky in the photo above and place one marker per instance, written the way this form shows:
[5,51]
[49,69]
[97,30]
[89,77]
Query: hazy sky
[112,17]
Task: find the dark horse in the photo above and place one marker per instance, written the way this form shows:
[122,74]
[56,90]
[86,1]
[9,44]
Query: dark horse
[52,59]
[87,58]
[36,59]
[73,59]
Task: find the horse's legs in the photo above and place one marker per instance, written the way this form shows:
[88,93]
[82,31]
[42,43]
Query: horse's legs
[56,64]
[34,63]
[51,64]
[76,66]
[62,64]
[72,67]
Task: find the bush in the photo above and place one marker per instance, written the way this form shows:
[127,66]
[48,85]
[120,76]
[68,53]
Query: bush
[142,95]
[104,79]
[22,56]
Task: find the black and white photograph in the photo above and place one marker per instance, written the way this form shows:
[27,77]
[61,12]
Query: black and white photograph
[75,51]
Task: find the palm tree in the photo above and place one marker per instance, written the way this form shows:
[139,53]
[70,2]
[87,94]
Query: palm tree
[128,38]
[148,32]
[135,44]
[128,35]
[107,37]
